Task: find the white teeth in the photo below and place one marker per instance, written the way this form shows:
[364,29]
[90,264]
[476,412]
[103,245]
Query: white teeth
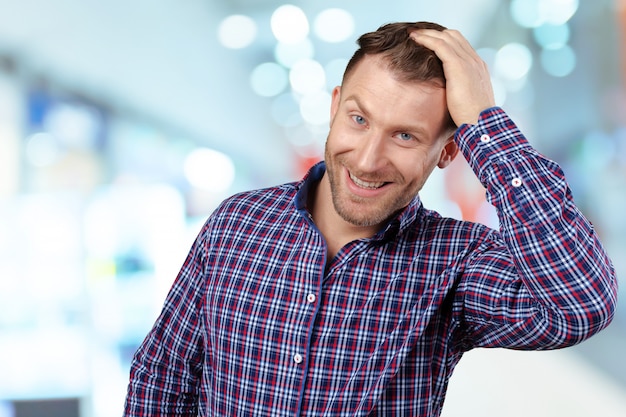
[365,184]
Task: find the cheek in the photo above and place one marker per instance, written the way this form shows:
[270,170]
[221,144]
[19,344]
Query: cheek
[338,141]
[417,167]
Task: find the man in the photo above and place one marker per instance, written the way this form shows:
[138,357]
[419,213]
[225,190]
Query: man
[340,294]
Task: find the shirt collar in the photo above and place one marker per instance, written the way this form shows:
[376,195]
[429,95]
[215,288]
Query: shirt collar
[395,226]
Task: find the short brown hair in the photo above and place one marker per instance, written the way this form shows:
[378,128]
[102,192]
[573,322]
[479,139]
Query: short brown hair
[409,60]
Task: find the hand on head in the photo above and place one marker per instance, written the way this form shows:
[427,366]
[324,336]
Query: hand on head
[468,83]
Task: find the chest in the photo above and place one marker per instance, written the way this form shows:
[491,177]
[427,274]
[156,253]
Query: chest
[308,335]
[282,298]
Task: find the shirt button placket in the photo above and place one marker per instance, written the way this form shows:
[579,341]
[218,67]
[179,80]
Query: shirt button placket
[311,298]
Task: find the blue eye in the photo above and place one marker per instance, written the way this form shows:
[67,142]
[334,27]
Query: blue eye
[359,119]
[405,136]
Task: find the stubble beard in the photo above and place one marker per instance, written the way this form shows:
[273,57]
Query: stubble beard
[374,212]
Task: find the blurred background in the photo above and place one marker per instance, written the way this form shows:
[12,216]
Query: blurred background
[123,125]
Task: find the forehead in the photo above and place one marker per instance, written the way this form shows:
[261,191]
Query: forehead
[372,77]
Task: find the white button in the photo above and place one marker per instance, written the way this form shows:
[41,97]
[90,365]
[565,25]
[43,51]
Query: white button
[311,298]
[485,139]
[297,358]
[516,182]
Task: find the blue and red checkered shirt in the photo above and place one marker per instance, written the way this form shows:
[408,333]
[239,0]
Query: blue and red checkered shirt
[257,325]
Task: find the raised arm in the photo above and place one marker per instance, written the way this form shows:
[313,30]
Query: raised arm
[545,281]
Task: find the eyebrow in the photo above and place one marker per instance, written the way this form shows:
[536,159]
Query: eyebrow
[419,130]
[358,103]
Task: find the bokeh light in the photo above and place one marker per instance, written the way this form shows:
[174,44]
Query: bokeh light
[289,24]
[287,54]
[307,76]
[209,170]
[334,25]
[526,13]
[315,108]
[513,61]
[269,79]
[557,12]
[558,62]
[237,31]
[551,36]
[534,13]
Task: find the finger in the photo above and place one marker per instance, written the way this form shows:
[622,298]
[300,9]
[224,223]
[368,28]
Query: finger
[454,37]
[452,48]
[443,42]
[443,46]
[460,40]
[464,44]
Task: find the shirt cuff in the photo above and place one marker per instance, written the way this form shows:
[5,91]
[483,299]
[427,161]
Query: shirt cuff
[493,137]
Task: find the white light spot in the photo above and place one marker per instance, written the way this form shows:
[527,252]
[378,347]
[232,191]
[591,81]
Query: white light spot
[289,24]
[209,170]
[334,25]
[237,31]
[557,12]
[307,76]
[526,13]
[315,108]
[513,61]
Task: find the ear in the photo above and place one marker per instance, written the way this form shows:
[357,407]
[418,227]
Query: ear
[448,153]
[334,104]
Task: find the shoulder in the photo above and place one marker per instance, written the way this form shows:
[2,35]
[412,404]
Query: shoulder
[264,197]
[256,205]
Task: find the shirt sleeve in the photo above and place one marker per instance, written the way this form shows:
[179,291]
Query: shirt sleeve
[543,281]
[167,368]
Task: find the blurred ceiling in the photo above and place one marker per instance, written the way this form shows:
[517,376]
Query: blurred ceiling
[162,60]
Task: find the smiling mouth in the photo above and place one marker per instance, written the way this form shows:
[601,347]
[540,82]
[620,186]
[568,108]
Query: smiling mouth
[366,184]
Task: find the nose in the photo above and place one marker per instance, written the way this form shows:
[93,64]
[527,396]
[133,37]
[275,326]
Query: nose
[370,152]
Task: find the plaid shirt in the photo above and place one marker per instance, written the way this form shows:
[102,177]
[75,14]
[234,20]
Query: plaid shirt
[257,325]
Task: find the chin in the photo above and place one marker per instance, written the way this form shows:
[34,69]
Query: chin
[356,217]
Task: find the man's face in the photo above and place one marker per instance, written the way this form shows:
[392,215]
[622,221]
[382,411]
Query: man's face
[386,137]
